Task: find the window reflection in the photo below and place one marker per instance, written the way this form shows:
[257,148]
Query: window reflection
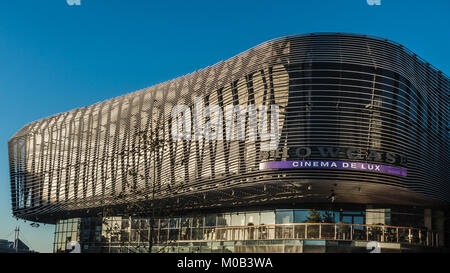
[267,217]
[210,220]
[252,219]
[284,216]
[223,219]
[123,233]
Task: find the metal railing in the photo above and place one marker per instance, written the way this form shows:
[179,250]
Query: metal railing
[324,231]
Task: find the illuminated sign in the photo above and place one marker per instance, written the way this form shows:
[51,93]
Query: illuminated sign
[329,164]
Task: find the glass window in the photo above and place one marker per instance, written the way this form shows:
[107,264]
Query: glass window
[144,224]
[61,237]
[197,222]
[300,216]
[154,223]
[85,235]
[163,234]
[174,222]
[267,217]
[284,216]
[223,219]
[238,219]
[86,223]
[186,222]
[210,220]
[74,235]
[173,235]
[358,220]
[328,216]
[197,234]
[185,233]
[154,235]
[252,219]
[347,219]
[125,235]
[134,223]
[125,223]
[163,223]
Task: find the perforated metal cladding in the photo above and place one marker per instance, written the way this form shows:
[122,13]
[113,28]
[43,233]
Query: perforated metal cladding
[333,90]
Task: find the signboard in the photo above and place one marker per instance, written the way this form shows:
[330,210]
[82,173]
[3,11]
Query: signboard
[329,164]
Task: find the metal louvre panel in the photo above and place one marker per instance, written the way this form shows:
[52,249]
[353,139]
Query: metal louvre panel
[333,90]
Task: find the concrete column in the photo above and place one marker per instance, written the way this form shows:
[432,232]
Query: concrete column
[428,219]
[439,219]
[428,224]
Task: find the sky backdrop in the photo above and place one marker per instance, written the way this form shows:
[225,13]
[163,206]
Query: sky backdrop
[55,57]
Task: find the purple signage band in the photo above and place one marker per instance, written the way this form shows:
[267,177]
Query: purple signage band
[327,164]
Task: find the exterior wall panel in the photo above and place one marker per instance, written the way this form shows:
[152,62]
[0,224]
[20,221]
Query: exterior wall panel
[337,90]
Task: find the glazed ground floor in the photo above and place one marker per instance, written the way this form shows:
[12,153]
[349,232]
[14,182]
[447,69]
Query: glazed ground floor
[286,228]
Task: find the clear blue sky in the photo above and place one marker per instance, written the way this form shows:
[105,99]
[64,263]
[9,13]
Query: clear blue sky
[55,57]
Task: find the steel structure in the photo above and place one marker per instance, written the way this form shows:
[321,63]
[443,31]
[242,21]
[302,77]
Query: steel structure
[333,89]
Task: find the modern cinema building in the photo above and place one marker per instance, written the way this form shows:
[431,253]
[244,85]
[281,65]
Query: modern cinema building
[355,156]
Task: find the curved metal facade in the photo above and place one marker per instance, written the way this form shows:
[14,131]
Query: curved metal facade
[334,90]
